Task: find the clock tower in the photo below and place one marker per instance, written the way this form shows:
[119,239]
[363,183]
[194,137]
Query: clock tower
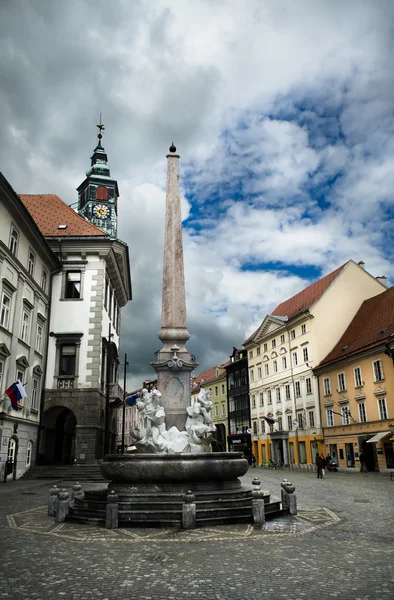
[98,193]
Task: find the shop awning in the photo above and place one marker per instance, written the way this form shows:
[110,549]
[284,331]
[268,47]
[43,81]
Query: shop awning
[378,437]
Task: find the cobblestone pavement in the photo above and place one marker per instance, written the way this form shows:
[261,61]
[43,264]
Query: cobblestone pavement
[341,545]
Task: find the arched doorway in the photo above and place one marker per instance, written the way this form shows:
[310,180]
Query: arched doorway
[59,436]
[12,457]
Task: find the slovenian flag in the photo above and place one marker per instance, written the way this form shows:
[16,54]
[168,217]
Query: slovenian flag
[132,399]
[16,393]
[269,420]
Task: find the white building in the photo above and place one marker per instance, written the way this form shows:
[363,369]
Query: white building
[26,267]
[282,352]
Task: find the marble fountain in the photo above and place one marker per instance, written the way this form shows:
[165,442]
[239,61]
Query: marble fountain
[173,478]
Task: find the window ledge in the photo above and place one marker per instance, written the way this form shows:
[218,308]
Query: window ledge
[71,299]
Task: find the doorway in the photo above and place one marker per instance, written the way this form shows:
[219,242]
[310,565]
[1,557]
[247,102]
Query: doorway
[302,452]
[369,452]
[350,462]
[59,436]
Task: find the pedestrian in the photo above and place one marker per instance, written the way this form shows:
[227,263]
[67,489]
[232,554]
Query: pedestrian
[253,461]
[363,463]
[324,463]
[320,462]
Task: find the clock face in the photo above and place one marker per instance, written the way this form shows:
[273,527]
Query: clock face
[101,211]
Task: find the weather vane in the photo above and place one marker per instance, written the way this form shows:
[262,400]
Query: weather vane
[101,129]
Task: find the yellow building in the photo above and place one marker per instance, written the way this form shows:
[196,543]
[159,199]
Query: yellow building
[215,380]
[356,384]
[282,353]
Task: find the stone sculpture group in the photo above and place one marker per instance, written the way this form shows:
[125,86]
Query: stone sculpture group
[152,436]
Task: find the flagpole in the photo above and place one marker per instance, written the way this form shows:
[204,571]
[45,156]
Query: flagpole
[124,401]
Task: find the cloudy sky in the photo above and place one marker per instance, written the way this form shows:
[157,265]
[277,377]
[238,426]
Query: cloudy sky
[281,110]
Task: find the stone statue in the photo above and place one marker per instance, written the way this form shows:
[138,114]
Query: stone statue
[152,437]
[199,422]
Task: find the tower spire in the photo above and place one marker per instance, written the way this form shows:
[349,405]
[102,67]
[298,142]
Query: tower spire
[101,128]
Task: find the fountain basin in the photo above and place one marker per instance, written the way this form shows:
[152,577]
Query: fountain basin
[174,468]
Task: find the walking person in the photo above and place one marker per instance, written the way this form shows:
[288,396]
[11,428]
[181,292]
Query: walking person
[320,463]
[363,463]
[253,461]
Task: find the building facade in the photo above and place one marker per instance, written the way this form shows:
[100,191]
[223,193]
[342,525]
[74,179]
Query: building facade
[356,384]
[239,414]
[26,267]
[282,353]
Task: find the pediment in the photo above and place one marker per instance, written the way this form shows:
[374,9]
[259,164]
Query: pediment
[359,396]
[274,354]
[22,361]
[288,411]
[37,370]
[269,326]
[380,391]
[4,351]
[265,358]
[343,400]
[282,351]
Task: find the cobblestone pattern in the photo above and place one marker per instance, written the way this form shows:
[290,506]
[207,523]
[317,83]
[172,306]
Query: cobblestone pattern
[350,558]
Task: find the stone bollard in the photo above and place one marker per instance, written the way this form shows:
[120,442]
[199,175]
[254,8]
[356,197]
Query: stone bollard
[52,499]
[112,511]
[291,499]
[258,504]
[189,511]
[75,491]
[283,493]
[62,509]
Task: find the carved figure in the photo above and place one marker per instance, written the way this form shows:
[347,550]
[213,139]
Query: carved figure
[199,421]
[153,416]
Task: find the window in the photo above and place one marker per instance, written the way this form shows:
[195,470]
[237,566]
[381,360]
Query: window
[311,416]
[35,393]
[269,393]
[265,347]
[1,376]
[362,412]
[287,392]
[253,401]
[44,280]
[330,418]
[223,409]
[341,382]
[251,375]
[29,448]
[357,377]
[303,328]
[216,390]
[258,351]
[251,354]
[308,384]
[284,362]
[67,359]
[280,424]
[258,372]
[39,333]
[14,238]
[216,410]
[278,394]
[266,370]
[273,343]
[297,386]
[295,359]
[73,285]
[254,427]
[292,334]
[378,370]
[327,386]
[275,366]
[106,294]
[25,325]
[110,302]
[289,422]
[305,354]
[261,399]
[262,425]
[30,263]
[382,408]
[5,310]
[300,420]
[345,416]
[282,339]
[222,389]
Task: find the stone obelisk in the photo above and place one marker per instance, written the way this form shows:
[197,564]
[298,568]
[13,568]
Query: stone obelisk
[174,363]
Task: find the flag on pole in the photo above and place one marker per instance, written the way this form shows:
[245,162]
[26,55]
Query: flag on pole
[132,399]
[269,420]
[16,393]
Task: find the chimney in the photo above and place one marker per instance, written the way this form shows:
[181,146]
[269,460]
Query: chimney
[362,264]
[382,279]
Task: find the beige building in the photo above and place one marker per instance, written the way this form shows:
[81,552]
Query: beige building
[282,353]
[356,382]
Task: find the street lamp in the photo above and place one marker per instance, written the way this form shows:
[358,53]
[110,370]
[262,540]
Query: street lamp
[124,402]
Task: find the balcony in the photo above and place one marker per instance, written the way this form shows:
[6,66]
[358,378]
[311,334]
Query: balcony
[66,383]
[115,394]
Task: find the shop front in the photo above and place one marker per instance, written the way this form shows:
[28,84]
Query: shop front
[240,442]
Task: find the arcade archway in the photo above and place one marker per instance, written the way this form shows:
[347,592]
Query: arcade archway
[58,436]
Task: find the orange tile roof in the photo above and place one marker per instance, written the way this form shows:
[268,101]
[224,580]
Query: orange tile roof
[372,326]
[304,299]
[49,211]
